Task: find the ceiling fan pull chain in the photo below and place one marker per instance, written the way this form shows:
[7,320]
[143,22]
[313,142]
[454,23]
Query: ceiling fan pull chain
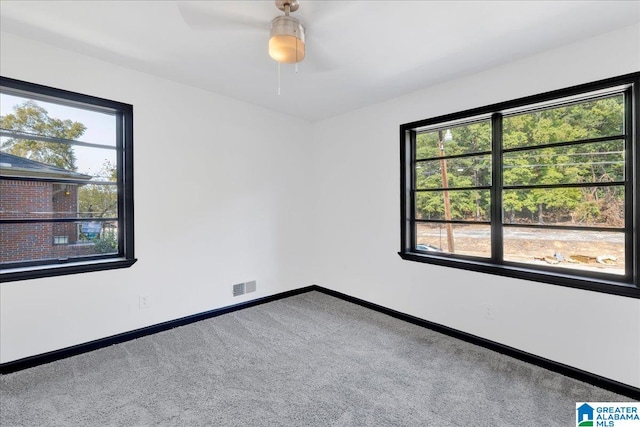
[296,68]
[278,79]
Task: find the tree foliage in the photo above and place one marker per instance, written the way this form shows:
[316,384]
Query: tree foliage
[536,164]
[100,200]
[96,199]
[29,117]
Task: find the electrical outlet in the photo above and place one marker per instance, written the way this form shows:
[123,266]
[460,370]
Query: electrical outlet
[144,301]
[488,311]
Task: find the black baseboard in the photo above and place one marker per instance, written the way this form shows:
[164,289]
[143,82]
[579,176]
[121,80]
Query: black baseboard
[566,370]
[52,356]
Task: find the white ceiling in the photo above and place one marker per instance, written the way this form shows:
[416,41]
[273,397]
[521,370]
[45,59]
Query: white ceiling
[358,52]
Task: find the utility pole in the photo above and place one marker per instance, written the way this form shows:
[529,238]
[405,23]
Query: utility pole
[445,186]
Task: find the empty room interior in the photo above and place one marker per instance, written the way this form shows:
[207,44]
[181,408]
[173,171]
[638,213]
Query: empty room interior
[313,186]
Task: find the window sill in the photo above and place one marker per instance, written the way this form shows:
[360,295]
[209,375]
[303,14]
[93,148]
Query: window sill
[25,273]
[619,288]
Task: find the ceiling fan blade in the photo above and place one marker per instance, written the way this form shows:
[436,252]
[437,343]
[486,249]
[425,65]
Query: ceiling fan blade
[317,59]
[319,17]
[322,12]
[207,16]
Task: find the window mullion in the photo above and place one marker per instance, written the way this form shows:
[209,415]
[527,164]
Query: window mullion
[120,164]
[42,138]
[497,250]
[411,233]
[632,180]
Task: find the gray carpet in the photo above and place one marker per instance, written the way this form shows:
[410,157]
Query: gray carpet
[307,360]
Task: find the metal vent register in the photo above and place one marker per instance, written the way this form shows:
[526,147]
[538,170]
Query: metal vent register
[244,288]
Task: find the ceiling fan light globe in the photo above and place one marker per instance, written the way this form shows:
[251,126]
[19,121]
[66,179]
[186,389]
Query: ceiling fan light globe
[286,43]
[286,49]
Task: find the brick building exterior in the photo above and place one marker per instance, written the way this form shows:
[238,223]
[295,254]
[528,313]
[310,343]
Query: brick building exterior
[34,198]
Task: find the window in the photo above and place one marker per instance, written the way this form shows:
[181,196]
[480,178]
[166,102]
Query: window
[543,188]
[66,182]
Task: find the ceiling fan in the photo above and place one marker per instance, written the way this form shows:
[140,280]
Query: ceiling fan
[286,34]
[286,43]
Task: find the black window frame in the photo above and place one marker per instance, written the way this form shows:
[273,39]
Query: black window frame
[124,258]
[627,285]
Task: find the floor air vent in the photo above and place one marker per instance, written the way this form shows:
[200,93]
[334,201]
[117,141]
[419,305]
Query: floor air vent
[238,289]
[250,286]
[244,288]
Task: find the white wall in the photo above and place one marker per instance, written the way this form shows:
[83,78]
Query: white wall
[216,203]
[358,221]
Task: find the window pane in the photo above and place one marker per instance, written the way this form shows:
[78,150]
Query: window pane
[98,201]
[57,160]
[594,162]
[98,163]
[467,205]
[592,119]
[465,172]
[57,120]
[41,241]
[471,240]
[573,249]
[589,206]
[52,200]
[464,139]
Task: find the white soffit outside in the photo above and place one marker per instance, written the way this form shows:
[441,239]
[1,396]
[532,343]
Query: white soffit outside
[358,52]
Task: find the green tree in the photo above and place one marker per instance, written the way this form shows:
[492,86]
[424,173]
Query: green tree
[580,163]
[588,162]
[107,243]
[472,171]
[100,200]
[29,117]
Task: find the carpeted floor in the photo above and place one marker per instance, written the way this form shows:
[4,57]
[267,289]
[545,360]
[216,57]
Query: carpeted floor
[307,360]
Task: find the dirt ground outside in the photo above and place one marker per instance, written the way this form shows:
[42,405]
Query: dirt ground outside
[564,249]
